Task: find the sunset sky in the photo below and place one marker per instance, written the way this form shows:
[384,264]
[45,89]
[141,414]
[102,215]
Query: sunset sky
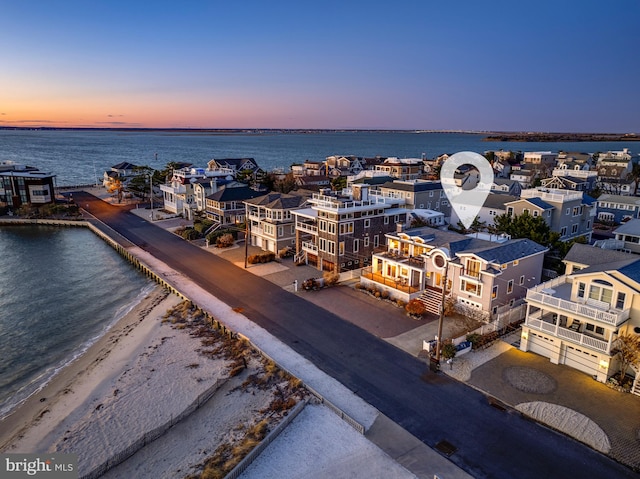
[468,65]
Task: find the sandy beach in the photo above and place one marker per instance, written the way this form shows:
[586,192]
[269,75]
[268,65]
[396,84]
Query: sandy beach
[145,373]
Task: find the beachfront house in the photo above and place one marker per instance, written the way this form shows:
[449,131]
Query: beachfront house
[575,319]
[271,220]
[226,206]
[486,279]
[617,208]
[21,185]
[339,231]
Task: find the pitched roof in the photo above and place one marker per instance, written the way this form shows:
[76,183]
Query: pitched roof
[590,255]
[413,186]
[540,203]
[125,165]
[278,201]
[510,251]
[629,200]
[498,200]
[238,193]
[631,227]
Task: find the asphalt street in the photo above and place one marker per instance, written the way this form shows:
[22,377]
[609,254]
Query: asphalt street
[489,441]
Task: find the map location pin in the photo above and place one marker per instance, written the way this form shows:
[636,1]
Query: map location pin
[466,203]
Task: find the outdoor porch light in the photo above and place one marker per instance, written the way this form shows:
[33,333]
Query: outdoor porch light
[525,334]
[604,364]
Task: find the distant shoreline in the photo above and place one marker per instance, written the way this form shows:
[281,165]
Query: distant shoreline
[562,137]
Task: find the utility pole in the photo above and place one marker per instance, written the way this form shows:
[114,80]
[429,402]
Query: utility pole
[247,234]
[441,318]
[151,193]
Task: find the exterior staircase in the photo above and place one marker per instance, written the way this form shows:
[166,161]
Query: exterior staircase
[636,385]
[432,299]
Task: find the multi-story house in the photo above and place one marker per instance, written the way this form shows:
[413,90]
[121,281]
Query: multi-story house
[483,276]
[122,172]
[236,165]
[226,206]
[540,159]
[617,208]
[627,237]
[339,231]
[20,185]
[566,182]
[524,176]
[613,169]
[567,212]
[421,194]
[179,193]
[576,318]
[508,187]
[271,222]
[402,168]
[494,205]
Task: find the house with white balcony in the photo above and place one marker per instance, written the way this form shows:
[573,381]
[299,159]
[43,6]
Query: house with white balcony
[338,231]
[576,318]
[271,221]
[179,194]
[484,277]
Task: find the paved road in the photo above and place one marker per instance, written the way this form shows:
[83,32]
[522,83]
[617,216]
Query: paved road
[490,442]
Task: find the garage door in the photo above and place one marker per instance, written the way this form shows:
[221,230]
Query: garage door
[581,359]
[542,345]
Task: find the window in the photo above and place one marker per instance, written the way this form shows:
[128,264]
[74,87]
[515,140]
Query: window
[599,293]
[341,248]
[535,213]
[510,287]
[346,228]
[386,220]
[563,231]
[494,292]
[581,288]
[472,268]
[367,223]
[431,194]
[594,329]
[521,280]
[509,210]
[471,288]
[366,241]
[620,301]
[356,245]
[568,211]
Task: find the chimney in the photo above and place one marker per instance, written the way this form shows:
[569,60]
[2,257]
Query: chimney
[399,227]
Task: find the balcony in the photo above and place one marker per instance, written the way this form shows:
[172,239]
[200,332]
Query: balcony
[310,247]
[557,294]
[307,228]
[567,334]
[399,256]
[401,284]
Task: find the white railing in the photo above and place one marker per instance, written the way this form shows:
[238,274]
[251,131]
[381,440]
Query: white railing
[612,318]
[573,336]
[308,228]
[310,247]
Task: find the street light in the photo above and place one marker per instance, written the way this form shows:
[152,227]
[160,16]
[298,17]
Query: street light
[151,192]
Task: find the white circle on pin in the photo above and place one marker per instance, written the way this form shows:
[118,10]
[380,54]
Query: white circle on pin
[466,203]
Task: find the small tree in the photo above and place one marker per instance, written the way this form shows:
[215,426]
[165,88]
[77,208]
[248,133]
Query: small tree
[448,351]
[415,307]
[627,351]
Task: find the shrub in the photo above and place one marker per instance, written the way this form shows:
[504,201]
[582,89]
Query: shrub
[330,278]
[190,234]
[415,307]
[384,294]
[285,252]
[358,286]
[202,226]
[264,257]
[448,351]
[225,241]
[474,339]
[310,284]
[400,303]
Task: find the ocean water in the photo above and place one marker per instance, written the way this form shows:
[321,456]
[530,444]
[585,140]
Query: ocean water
[60,289]
[79,157]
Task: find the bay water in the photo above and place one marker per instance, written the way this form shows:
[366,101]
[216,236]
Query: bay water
[61,288]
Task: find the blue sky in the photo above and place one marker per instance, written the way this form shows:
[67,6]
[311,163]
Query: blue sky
[532,66]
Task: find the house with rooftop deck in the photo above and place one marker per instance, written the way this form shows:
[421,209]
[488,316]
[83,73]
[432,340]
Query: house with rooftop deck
[569,213]
[484,277]
[575,319]
[338,231]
